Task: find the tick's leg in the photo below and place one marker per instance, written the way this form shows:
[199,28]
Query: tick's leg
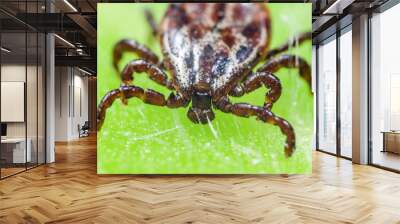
[288,61]
[177,100]
[237,91]
[265,115]
[292,43]
[148,96]
[132,46]
[154,72]
[255,81]
[126,92]
[151,21]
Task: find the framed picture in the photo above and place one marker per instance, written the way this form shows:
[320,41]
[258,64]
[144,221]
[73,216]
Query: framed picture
[203,88]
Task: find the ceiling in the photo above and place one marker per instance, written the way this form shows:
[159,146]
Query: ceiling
[331,15]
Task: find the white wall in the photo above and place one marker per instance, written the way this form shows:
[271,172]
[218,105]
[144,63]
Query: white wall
[61,103]
[70,83]
[80,103]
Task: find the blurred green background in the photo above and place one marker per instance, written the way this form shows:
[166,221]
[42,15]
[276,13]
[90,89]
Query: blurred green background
[145,139]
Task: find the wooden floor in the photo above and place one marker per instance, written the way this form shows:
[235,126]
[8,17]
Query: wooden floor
[387,159]
[70,191]
[5,172]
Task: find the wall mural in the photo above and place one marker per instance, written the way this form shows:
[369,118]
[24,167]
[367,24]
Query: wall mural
[204,88]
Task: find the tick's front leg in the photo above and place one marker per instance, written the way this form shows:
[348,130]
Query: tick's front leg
[286,129]
[125,92]
[153,71]
[146,95]
[265,115]
[132,46]
[177,100]
[255,81]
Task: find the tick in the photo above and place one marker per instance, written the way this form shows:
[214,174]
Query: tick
[210,50]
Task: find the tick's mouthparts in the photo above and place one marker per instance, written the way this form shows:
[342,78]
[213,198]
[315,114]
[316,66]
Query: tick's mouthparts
[202,116]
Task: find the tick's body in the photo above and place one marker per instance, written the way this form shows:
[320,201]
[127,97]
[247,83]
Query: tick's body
[210,50]
[210,47]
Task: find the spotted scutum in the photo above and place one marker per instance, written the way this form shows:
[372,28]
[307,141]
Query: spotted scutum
[209,46]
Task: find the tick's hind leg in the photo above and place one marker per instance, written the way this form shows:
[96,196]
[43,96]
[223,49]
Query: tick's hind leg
[288,61]
[132,46]
[265,115]
[152,22]
[292,43]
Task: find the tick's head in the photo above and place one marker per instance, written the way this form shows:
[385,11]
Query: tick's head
[201,111]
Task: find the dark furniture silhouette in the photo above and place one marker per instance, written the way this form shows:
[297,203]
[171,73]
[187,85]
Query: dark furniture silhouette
[84,129]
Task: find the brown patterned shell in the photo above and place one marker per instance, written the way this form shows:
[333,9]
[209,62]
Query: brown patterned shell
[209,47]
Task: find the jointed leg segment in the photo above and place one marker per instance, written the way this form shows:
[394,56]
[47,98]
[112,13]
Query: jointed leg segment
[147,96]
[134,47]
[296,41]
[255,81]
[139,65]
[264,76]
[152,22]
[126,92]
[265,115]
[155,74]
[269,80]
[288,61]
